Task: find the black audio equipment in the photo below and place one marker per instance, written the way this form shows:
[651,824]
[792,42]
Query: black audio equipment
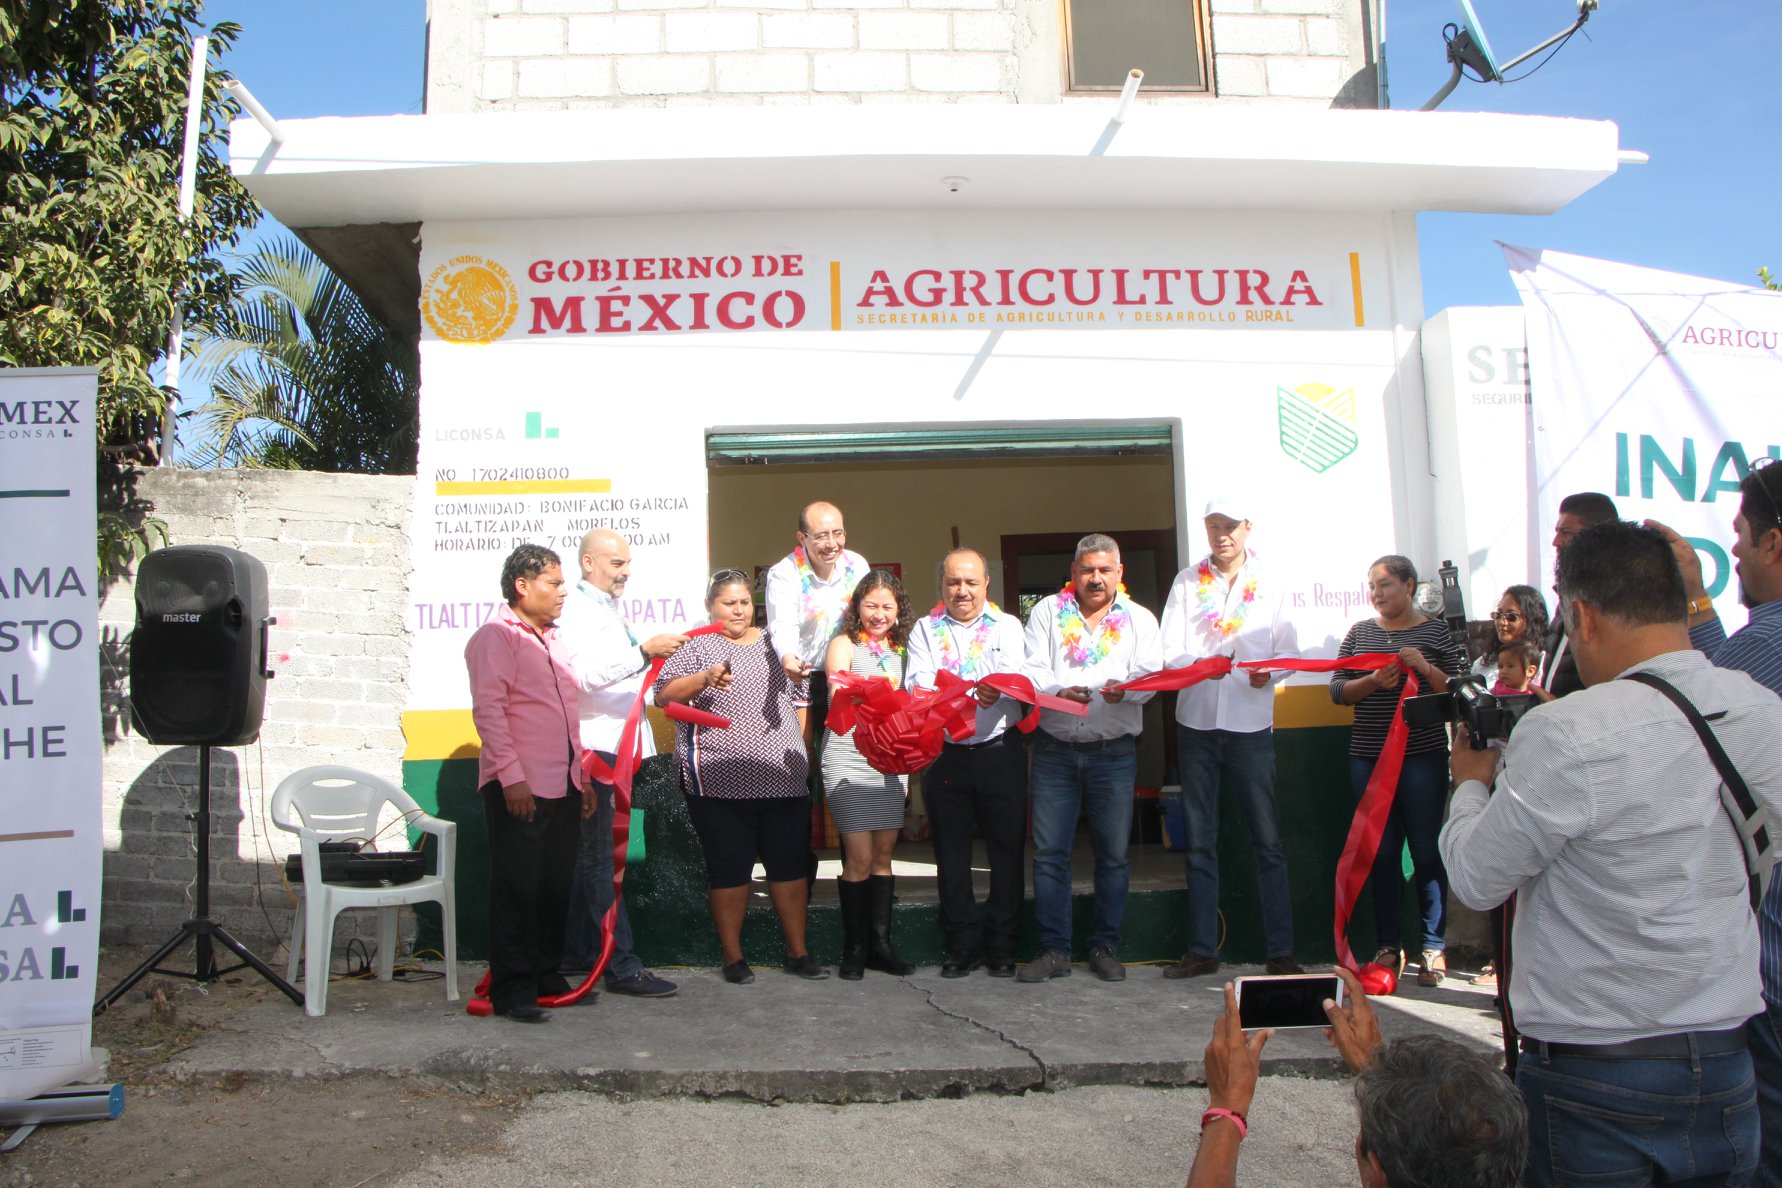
[198,676]
[198,654]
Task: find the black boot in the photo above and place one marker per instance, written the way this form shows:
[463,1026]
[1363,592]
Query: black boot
[880,955]
[856,910]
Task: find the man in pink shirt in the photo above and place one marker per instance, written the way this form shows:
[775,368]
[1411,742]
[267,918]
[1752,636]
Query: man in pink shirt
[523,701]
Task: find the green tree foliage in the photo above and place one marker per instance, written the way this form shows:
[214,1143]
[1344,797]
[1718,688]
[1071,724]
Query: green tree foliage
[302,376]
[93,253]
[1768,279]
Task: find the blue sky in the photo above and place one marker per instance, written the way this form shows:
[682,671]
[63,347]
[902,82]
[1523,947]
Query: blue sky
[1692,83]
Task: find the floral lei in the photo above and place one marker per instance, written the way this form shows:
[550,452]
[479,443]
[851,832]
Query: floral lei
[1213,612]
[809,602]
[974,651]
[1071,628]
[881,649]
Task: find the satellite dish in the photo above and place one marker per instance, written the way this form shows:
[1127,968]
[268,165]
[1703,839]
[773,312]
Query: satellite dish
[1468,49]
[1471,46]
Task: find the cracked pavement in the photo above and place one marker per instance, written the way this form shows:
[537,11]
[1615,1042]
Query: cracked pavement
[783,1039]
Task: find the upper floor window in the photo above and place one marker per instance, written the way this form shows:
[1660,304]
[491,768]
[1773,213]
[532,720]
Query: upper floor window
[1166,39]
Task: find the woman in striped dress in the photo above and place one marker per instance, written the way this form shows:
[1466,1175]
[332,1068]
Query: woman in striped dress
[867,805]
[1427,648]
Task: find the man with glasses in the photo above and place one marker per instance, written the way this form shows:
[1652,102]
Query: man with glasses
[1559,670]
[1756,649]
[807,591]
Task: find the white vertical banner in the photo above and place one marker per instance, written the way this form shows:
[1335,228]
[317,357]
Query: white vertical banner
[51,846]
[1655,388]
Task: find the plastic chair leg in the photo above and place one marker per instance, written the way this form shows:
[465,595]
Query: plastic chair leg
[449,926]
[320,941]
[295,955]
[386,943]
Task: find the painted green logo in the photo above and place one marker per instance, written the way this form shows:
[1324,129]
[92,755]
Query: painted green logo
[535,428]
[1317,425]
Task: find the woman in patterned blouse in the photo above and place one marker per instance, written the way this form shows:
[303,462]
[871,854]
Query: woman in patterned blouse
[745,784]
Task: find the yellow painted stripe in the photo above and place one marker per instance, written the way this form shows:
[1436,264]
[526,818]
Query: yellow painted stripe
[440,734]
[835,294]
[450,734]
[1304,706]
[527,487]
[1355,285]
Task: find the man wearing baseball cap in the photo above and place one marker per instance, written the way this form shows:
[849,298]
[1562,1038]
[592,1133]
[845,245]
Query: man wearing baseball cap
[1229,604]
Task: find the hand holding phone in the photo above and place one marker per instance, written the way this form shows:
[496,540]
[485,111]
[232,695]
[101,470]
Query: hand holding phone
[1287,1000]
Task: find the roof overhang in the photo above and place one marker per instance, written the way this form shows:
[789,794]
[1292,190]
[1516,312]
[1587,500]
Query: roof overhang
[396,171]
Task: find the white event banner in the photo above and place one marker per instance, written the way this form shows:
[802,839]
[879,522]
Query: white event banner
[537,425]
[1656,388]
[51,844]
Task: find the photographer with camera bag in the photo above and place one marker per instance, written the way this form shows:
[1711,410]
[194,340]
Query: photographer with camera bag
[1636,944]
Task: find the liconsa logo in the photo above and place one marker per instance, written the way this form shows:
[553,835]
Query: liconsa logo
[1317,425]
[470,299]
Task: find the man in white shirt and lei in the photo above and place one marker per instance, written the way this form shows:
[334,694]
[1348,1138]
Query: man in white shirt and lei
[1081,642]
[1227,604]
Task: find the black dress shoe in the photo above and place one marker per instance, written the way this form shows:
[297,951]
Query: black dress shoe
[525,1012]
[1000,965]
[957,965]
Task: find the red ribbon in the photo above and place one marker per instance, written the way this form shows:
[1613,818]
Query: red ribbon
[1369,822]
[620,774]
[899,731]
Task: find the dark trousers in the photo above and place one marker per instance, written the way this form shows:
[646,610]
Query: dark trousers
[531,866]
[985,786]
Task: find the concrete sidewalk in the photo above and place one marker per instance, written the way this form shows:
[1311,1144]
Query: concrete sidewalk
[785,1039]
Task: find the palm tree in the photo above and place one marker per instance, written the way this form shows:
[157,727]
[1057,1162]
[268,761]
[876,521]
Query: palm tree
[302,377]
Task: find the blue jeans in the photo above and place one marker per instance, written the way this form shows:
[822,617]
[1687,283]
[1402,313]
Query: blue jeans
[592,893]
[1764,1034]
[1248,760]
[1066,780]
[1416,817]
[1609,1123]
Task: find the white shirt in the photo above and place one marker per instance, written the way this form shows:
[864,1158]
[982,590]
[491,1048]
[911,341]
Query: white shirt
[608,667]
[1050,668]
[1188,635]
[1632,909]
[1003,652]
[786,617]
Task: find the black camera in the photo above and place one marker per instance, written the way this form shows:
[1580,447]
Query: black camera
[1484,714]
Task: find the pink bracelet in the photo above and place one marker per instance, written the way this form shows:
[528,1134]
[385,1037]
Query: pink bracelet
[1237,1120]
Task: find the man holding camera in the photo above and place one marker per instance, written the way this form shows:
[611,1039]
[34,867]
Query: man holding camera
[1637,950]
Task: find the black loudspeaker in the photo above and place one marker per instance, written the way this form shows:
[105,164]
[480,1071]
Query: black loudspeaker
[198,656]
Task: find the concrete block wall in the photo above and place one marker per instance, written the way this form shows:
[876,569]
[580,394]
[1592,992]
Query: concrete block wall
[336,553]
[541,55]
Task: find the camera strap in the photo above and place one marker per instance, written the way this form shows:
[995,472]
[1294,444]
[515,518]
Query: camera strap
[1750,820]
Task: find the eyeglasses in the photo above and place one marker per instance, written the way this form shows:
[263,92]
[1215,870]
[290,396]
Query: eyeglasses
[835,536]
[1507,616]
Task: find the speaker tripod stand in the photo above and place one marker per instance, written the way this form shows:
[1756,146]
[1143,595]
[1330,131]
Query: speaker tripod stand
[204,932]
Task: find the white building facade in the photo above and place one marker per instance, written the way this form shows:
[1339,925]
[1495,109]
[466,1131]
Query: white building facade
[678,269]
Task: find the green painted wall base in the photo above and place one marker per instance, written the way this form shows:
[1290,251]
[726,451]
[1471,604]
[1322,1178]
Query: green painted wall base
[666,893]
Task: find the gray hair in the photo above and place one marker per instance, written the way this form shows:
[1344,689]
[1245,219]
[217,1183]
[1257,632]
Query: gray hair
[1437,1114]
[1095,542]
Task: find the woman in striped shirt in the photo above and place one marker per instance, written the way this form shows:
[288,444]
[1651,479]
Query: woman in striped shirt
[1424,646]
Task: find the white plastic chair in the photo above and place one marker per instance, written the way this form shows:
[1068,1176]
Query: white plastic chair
[329,803]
